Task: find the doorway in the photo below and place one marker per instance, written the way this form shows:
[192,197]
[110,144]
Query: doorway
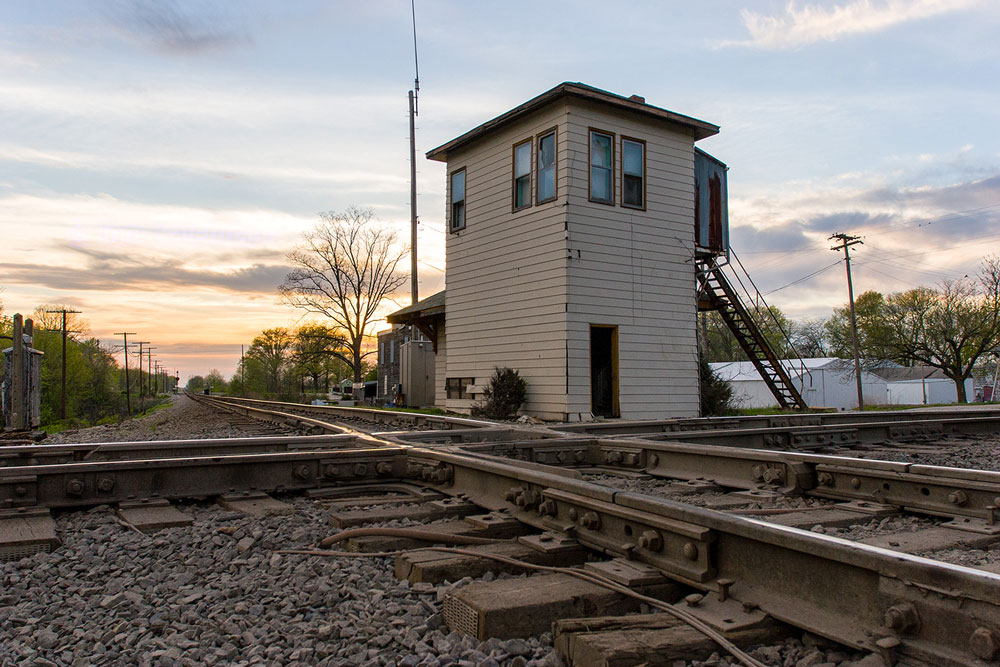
[604,370]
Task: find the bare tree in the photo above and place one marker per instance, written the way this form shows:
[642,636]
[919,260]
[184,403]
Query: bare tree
[344,271]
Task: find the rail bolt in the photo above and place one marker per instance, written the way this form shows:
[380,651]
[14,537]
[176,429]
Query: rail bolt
[578,456]
[983,644]
[591,521]
[547,507]
[651,540]
[653,459]
[74,487]
[855,483]
[361,469]
[825,479]
[106,484]
[383,468]
[512,492]
[330,470]
[572,514]
[302,472]
[958,497]
[774,476]
[901,618]
[757,473]
[528,499]
[691,551]
[562,456]
[694,599]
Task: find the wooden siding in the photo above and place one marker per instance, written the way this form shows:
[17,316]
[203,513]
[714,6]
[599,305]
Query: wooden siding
[506,271]
[634,269]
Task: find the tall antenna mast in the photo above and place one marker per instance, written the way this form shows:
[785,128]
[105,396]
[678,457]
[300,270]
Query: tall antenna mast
[414,295]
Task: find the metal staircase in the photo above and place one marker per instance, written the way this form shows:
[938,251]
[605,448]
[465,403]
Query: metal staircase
[717,293]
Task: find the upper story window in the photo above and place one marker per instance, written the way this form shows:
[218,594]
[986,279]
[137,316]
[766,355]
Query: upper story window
[602,164]
[522,175]
[633,173]
[458,200]
[547,167]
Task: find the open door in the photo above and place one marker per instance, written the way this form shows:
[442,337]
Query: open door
[604,371]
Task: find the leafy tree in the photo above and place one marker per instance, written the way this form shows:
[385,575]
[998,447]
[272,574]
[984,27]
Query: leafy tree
[268,357]
[344,271]
[318,351]
[195,383]
[215,380]
[873,330]
[721,345]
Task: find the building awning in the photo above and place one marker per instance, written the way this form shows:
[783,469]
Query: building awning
[427,315]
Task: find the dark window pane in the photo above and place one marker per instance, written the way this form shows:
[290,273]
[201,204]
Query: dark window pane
[458,215]
[547,167]
[522,191]
[633,190]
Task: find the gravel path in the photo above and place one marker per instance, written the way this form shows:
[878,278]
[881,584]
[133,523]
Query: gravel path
[215,593]
[183,419]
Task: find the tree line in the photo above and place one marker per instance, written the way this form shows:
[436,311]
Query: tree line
[954,326]
[290,364]
[95,383]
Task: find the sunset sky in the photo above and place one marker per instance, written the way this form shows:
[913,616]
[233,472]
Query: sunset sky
[158,159]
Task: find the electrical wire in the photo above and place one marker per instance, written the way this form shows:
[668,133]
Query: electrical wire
[804,278]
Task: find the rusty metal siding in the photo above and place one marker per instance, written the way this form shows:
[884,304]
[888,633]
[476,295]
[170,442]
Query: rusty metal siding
[711,203]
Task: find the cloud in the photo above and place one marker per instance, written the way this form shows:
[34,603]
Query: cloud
[110,271]
[166,26]
[802,25]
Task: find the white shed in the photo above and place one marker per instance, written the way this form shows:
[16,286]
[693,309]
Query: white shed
[920,385]
[824,382]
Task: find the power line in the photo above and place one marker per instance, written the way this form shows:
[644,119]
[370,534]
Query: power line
[804,278]
[62,397]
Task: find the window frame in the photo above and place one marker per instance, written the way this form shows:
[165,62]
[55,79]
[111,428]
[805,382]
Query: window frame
[514,208]
[642,143]
[554,131]
[590,191]
[452,228]
[462,382]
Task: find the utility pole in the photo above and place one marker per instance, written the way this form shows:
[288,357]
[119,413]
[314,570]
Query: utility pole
[413,161]
[128,391]
[243,373]
[62,399]
[845,243]
[142,385]
[149,368]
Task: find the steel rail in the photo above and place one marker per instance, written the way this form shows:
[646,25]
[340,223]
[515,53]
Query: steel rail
[21,455]
[899,605]
[869,598]
[836,435]
[619,427]
[936,490]
[367,414]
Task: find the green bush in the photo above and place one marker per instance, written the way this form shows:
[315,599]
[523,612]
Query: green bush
[505,395]
[716,394]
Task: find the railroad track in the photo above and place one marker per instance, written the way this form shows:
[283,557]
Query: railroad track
[569,497]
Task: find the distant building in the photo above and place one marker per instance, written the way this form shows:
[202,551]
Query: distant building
[920,385]
[828,382]
[573,222]
[390,346]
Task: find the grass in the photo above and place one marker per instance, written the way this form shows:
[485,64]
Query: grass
[60,425]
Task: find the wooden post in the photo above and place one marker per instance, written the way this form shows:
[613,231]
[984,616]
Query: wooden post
[18,420]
